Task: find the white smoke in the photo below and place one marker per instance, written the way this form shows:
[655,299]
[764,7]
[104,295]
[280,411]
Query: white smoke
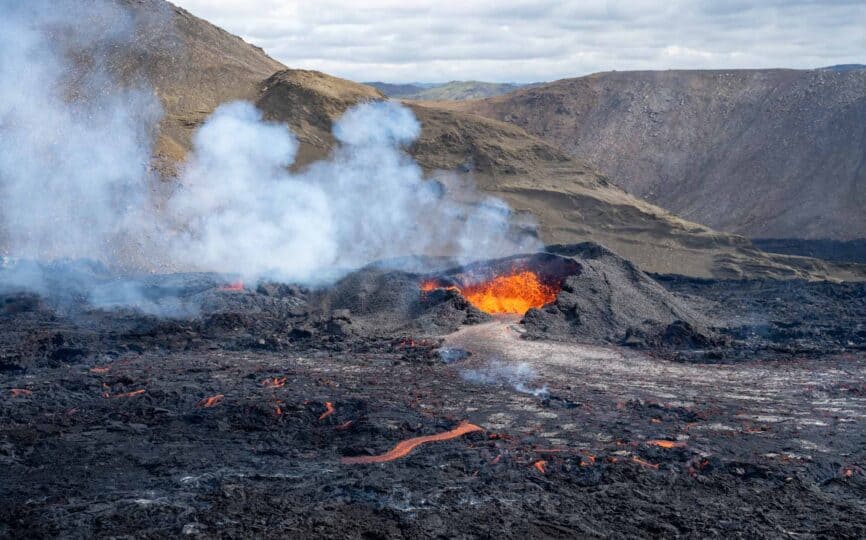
[519,376]
[75,146]
[243,211]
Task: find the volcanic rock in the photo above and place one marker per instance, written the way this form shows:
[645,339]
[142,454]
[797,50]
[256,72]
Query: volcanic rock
[606,299]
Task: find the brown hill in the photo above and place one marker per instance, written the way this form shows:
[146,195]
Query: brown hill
[202,66]
[763,153]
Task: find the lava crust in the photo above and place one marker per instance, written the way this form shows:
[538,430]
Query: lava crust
[370,409]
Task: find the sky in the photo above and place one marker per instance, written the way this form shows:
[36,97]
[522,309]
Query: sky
[541,40]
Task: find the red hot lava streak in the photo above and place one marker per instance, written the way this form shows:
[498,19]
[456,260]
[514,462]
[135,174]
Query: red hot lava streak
[129,394]
[212,401]
[663,443]
[514,293]
[403,448]
[234,286]
[329,410]
[274,382]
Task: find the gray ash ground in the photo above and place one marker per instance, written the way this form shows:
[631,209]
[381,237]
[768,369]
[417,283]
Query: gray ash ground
[104,428]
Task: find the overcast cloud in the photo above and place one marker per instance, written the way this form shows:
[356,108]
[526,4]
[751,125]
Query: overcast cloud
[540,40]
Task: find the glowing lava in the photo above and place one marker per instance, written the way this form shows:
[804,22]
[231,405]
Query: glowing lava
[403,448]
[329,410]
[129,394]
[663,443]
[212,401]
[643,463]
[515,293]
[234,286]
[274,382]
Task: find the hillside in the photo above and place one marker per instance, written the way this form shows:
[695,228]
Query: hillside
[454,90]
[846,67]
[770,153]
[204,66]
[193,65]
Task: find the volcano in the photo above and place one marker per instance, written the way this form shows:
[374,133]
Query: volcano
[416,357]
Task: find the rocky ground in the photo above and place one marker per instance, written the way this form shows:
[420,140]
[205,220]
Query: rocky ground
[236,418]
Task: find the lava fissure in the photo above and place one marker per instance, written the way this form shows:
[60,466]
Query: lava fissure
[404,448]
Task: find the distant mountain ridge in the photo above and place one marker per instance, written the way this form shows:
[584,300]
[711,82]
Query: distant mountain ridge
[764,153]
[845,67]
[454,90]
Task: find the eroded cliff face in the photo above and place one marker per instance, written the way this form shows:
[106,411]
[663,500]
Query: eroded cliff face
[762,153]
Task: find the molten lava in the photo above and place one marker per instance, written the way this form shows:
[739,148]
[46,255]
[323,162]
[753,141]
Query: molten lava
[129,394]
[540,466]
[274,382]
[663,443]
[643,463]
[212,401]
[403,448]
[515,293]
[234,286]
[329,410]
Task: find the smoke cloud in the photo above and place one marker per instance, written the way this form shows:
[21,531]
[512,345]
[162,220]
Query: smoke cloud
[244,212]
[518,376]
[75,144]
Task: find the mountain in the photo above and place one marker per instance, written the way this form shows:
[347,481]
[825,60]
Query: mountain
[845,67]
[762,153]
[454,90]
[570,200]
[195,66]
[401,90]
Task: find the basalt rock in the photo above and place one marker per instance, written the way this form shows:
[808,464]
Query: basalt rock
[607,300]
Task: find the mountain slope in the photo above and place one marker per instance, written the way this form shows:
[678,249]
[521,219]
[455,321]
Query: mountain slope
[193,65]
[770,153]
[203,66]
[454,90]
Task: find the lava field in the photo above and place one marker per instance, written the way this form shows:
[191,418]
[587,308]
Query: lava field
[390,405]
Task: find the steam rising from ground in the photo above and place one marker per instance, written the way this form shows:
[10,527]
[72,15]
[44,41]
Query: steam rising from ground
[73,156]
[75,147]
[519,376]
[244,212]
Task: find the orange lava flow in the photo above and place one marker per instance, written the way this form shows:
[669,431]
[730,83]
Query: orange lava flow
[539,465]
[212,401]
[662,443]
[403,448]
[646,464]
[19,392]
[275,382]
[515,293]
[329,410]
[233,286]
[129,394]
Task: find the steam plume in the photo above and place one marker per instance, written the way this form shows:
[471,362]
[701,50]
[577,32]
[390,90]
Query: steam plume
[245,212]
[75,144]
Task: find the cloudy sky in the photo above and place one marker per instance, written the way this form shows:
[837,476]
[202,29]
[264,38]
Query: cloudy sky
[537,40]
